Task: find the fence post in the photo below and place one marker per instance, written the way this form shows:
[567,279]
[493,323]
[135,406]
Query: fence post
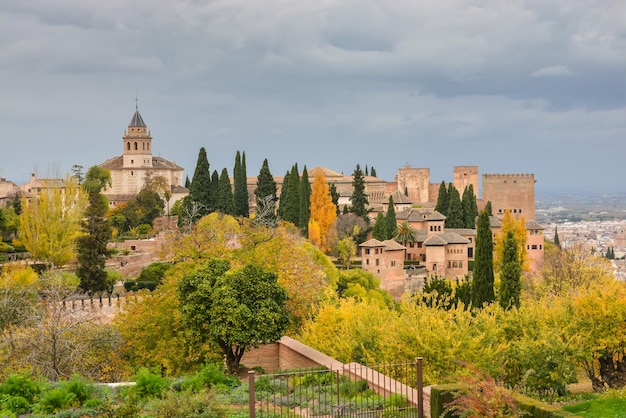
[251,400]
[420,389]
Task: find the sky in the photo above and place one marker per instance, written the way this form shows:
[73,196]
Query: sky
[510,86]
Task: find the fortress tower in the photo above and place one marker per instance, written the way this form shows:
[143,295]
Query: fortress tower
[515,192]
[415,181]
[464,176]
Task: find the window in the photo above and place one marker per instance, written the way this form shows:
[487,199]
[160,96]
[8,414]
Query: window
[419,245]
[132,161]
[393,263]
[460,264]
[136,147]
[377,261]
[540,246]
[128,146]
[434,267]
[367,251]
[534,246]
[470,252]
[367,261]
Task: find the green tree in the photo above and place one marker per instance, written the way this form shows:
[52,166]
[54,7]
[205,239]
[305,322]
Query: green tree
[334,194]
[201,182]
[406,234]
[284,192]
[390,219]
[379,230]
[266,192]
[438,293]
[92,247]
[346,251]
[77,172]
[442,199]
[557,241]
[358,199]
[225,201]
[510,274]
[214,191]
[50,223]
[235,309]
[470,209]
[488,208]
[305,202]
[240,186]
[291,205]
[454,217]
[373,172]
[483,277]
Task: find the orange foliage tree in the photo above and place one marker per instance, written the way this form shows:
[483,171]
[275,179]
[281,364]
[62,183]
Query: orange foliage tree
[323,212]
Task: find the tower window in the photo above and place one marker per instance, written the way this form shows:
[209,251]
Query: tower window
[136,147]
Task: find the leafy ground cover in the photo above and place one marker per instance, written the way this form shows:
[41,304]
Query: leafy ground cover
[600,408]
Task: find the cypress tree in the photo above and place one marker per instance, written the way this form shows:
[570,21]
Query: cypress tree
[284,192]
[454,217]
[373,172]
[390,219]
[291,206]
[187,182]
[470,210]
[379,231]
[442,199]
[334,194]
[92,247]
[557,242]
[488,208]
[266,189]
[225,201]
[366,170]
[305,202]
[510,274]
[214,191]
[199,189]
[359,198]
[240,193]
[482,283]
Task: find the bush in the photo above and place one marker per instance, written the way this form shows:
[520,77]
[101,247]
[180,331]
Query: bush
[188,404]
[21,386]
[14,404]
[149,384]
[80,387]
[55,400]
[209,376]
[154,272]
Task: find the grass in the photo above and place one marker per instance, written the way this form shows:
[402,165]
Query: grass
[602,407]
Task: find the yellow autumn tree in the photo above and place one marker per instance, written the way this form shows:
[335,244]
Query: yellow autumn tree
[518,226]
[323,212]
[50,223]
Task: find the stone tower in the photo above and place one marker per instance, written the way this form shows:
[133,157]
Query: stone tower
[416,182]
[137,143]
[515,192]
[464,176]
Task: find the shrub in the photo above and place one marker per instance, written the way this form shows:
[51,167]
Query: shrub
[14,404]
[80,387]
[149,384]
[154,272]
[208,376]
[22,386]
[188,404]
[55,400]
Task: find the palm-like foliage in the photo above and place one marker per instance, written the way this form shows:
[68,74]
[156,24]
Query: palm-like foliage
[406,234]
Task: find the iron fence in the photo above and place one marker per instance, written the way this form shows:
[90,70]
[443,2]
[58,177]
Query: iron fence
[354,391]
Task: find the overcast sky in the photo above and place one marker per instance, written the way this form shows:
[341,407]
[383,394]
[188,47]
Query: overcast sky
[511,86]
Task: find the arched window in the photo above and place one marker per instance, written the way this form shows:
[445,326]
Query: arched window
[128,146]
[136,147]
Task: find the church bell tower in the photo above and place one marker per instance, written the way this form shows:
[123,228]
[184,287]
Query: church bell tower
[137,143]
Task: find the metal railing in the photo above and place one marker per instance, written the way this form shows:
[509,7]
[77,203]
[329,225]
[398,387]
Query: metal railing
[357,391]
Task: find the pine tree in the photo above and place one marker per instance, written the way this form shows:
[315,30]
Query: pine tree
[266,190]
[291,206]
[442,199]
[225,201]
[483,277]
[390,219]
[284,192]
[470,210]
[454,217]
[379,230]
[557,242]
[305,202]
[373,172]
[201,182]
[359,198]
[240,186]
[323,211]
[335,196]
[510,274]
[92,247]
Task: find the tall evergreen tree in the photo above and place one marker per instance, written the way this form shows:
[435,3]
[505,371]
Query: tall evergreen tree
[291,206]
[454,217]
[265,191]
[379,231]
[390,219]
[470,210]
[284,192]
[359,198]
[557,242]
[240,187]
[488,208]
[92,247]
[187,182]
[373,172]
[510,274]
[214,191]
[305,202]
[442,199]
[366,170]
[334,194]
[225,200]
[483,277]
[199,190]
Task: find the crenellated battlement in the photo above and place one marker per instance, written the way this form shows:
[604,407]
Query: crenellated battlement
[508,176]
